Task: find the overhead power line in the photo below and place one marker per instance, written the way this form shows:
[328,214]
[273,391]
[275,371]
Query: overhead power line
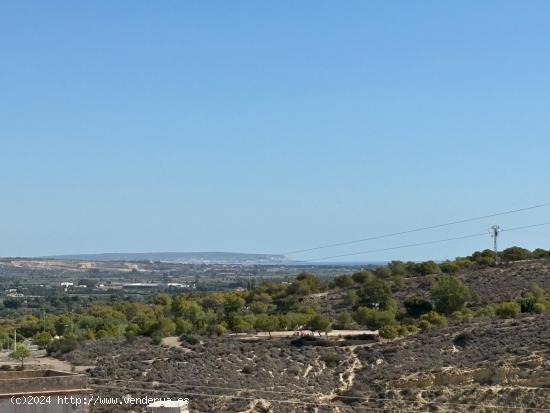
[418,244]
[394,234]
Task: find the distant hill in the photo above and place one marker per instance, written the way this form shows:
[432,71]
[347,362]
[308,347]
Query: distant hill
[183,257]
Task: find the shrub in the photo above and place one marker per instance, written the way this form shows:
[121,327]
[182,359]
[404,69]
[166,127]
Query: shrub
[332,359]
[488,311]
[463,339]
[450,294]
[63,345]
[434,318]
[527,303]
[508,309]
[411,328]
[388,331]
[189,339]
[344,281]
[424,325]
[156,337]
[130,336]
[449,267]
[402,329]
[539,308]
[535,290]
[219,329]
[416,306]
[515,254]
[426,268]
[462,315]
[248,369]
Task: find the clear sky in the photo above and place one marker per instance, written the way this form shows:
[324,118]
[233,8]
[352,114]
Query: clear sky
[270,126]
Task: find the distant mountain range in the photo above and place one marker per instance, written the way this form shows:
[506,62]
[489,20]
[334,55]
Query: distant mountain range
[183,257]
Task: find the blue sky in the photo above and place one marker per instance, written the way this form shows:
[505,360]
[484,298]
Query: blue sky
[268,127]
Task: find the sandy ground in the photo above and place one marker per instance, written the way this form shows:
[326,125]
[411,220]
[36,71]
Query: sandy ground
[173,341]
[40,362]
[333,333]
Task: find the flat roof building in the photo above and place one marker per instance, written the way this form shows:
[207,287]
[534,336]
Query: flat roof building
[43,391]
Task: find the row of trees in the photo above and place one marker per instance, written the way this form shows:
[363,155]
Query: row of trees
[268,307]
[480,258]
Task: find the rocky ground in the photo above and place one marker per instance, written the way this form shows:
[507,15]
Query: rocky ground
[476,366]
[222,375]
[491,284]
[482,365]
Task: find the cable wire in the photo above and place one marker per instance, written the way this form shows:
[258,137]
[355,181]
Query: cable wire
[394,234]
[424,243]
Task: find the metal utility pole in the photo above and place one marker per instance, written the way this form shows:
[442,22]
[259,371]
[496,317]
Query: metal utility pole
[494,231]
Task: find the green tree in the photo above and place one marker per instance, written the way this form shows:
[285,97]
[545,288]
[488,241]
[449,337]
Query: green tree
[20,353]
[343,281]
[233,304]
[540,253]
[258,307]
[450,294]
[63,324]
[383,272]
[362,276]
[183,326]
[417,306]
[240,324]
[374,319]
[42,339]
[294,320]
[344,320]
[163,299]
[165,327]
[397,268]
[375,293]
[485,257]
[352,297]
[266,323]
[320,323]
